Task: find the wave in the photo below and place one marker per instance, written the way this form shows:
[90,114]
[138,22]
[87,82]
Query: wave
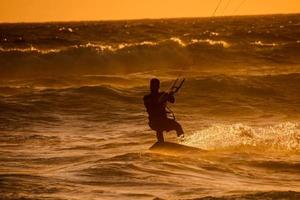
[45,108]
[247,85]
[116,47]
[93,97]
[274,88]
[30,49]
[139,45]
[251,85]
[172,53]
[274,195]
[280,137]
[102,47]
[30,139]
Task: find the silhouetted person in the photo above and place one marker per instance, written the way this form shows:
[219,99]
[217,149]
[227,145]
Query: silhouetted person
[156,103]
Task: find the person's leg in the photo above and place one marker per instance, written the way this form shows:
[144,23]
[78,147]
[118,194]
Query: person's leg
[174,125]
[154,125]
[160,136]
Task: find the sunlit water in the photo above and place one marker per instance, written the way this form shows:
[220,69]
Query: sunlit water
[78,129]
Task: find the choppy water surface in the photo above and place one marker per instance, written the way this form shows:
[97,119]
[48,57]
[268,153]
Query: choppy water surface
[73,125]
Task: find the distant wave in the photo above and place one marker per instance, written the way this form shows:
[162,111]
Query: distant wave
[116,47]
[31,49]
[100,58]
[102,47]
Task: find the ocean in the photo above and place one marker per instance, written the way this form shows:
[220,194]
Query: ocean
[73,124]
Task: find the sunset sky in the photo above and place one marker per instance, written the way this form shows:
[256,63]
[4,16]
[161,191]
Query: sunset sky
[76,10]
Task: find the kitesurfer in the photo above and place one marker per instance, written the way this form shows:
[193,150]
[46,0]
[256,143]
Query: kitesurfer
[156,103]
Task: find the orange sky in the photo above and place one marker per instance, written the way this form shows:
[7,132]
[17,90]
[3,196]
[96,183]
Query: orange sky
[74,10]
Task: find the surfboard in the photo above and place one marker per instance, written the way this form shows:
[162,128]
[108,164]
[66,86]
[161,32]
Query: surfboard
[174,149]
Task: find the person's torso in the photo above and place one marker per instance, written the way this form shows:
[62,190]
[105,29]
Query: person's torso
[156,109]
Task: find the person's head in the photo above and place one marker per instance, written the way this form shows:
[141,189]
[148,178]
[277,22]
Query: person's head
[154,85]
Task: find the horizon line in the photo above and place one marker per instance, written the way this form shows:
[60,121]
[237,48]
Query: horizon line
[141,19]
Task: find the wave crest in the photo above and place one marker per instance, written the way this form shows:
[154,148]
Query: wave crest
[100,47]
[283,137]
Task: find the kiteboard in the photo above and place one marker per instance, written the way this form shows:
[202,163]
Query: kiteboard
[174,149]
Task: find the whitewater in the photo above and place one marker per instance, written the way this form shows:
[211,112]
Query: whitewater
[73,124]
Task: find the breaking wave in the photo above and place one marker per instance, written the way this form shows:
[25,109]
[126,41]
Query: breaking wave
[91,58]
[187,43]
[280,137]
[116,47]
